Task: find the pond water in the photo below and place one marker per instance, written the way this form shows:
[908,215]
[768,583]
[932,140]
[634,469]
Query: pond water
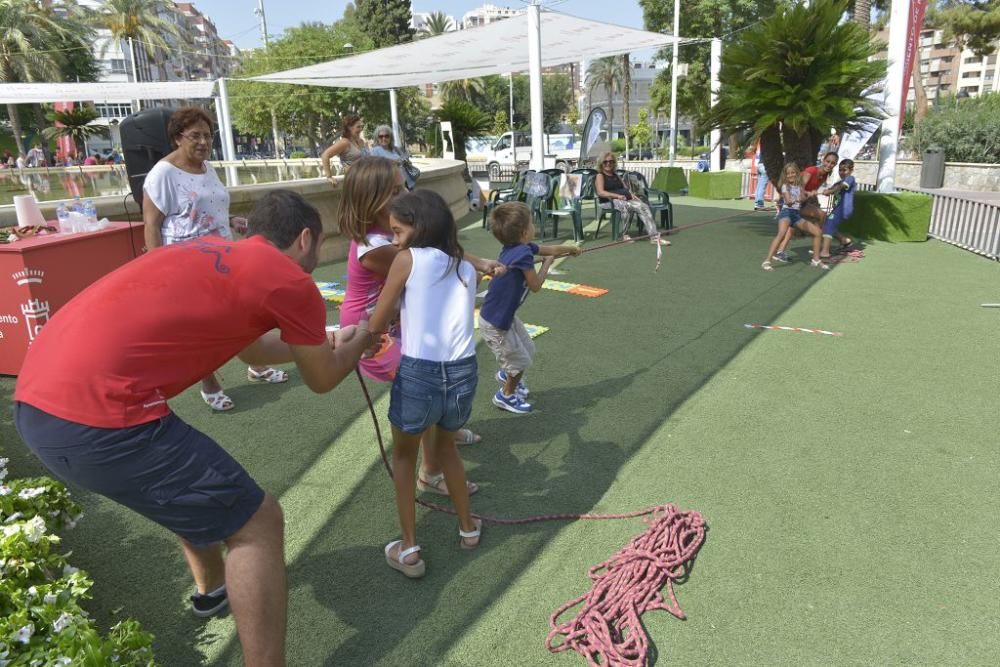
[55,184]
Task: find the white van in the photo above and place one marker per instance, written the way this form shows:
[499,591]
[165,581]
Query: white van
[561,151]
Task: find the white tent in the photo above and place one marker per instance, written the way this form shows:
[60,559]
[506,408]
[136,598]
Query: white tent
[529,41]
[34,93]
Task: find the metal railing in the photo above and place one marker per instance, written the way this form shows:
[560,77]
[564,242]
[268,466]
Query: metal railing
[970,224]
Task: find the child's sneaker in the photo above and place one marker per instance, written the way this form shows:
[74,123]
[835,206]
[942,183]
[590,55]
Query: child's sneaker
[522,389]
[513,403]
[819,264]
[767,266]
[209,604]
[781,257]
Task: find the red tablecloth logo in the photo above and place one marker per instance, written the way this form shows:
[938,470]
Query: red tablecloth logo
[36,314]
[27,275]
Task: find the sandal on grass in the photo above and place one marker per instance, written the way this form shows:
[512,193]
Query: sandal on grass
[465,436]
[466,537]
[436,484]
[659,241]
[268,375]
[218,401]
[411,570]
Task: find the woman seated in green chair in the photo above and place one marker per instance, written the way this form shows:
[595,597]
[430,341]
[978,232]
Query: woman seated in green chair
[612,191]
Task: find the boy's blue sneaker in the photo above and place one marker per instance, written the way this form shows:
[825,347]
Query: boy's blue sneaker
[781,257]
[522,389]
[513,403]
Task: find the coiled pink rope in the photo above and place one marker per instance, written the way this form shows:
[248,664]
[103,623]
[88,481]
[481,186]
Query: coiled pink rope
[607,629]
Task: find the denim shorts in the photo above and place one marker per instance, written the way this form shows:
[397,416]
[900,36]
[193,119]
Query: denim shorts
[165,470]
[790,214]
[432,393]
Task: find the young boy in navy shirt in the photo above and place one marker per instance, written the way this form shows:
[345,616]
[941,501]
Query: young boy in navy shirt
[503,332]
[843,207]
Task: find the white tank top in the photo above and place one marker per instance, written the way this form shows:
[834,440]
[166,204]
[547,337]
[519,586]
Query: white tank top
[436,311]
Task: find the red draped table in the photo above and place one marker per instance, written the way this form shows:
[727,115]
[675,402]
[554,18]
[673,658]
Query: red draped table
[39,275]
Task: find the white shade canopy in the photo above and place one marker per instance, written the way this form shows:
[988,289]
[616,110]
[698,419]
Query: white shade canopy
[33,93]
[496,48]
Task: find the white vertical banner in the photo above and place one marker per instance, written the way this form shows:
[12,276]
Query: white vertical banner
[899,16]
[716,67]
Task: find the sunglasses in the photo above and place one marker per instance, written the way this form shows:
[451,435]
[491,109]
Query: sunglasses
[608,162]
[385,136]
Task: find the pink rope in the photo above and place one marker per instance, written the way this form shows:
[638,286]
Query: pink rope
[607,629]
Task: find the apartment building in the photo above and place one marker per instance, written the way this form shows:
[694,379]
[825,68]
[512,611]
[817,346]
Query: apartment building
[487,14]
[643,75]
[945,69]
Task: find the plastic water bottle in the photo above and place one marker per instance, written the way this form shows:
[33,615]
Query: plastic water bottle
[90,210]
[77,205]
[62,215]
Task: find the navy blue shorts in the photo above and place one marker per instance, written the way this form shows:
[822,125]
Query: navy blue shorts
[165,470]
[432,393]
[792,215]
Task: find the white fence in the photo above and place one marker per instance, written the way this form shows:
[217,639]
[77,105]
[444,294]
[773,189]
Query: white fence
[970,224]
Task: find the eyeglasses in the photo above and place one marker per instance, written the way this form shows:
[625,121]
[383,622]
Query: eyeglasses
[197,137]
[385,136]
[608,162]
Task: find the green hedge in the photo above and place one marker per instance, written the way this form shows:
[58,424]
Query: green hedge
[669,179]
[41,621]
[901,216]
[716,185]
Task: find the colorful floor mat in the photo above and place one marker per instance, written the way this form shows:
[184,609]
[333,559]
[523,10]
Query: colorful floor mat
[534,330]
[332,292]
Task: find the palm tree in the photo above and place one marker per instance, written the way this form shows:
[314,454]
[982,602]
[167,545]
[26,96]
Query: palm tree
[26,31]
[137,21]
[437,23]
[467,122]
[462,89]
[791,77]
[76,124]
[861,13]
[606,73]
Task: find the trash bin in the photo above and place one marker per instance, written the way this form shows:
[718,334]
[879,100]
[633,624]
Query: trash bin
[932,169]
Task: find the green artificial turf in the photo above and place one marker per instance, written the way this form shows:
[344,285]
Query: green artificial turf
[715,185]
[900,216]
[849,483]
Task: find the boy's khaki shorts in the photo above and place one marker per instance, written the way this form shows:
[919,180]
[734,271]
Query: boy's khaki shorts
[513,348]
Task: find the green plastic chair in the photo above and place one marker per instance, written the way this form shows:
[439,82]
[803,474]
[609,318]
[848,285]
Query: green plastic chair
[515,193]
[657,200]
[556,207]
[587,192]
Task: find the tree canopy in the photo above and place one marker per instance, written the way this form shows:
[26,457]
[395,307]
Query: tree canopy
[973,24]
[386,22]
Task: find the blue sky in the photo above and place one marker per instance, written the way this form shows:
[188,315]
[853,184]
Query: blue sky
[235,19]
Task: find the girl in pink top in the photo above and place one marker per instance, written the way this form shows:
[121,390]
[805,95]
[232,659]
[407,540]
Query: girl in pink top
[369,188]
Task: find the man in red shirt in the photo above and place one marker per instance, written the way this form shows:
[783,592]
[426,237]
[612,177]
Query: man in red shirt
[91,400]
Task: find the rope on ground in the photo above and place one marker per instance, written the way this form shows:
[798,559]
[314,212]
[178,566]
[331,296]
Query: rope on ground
[607,630]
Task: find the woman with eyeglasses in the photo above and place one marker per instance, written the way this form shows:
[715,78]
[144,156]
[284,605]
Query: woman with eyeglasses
[183,199]
[612,190]
[349,147]
[384,147]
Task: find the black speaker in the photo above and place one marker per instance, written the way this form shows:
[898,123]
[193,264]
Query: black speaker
[144,142]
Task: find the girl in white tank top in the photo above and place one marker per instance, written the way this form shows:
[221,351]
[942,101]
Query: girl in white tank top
[435,291]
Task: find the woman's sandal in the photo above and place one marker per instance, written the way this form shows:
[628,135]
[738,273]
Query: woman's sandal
[465,436]
[465,536]
[268,375]
[218,401]
[436,485]
[411,570]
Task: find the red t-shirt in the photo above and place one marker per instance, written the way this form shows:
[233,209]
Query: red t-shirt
[117,351]
[817,177]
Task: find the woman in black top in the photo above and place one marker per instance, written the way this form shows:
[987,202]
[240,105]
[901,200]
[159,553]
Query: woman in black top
[610,188]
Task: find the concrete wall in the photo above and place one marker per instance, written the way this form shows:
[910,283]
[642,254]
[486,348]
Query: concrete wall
[957,175]
[442,176]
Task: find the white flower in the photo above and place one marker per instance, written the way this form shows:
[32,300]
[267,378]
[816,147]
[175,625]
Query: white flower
[50,598]
[33,492]
[24,634]
[60,623]
[63,660]
[32,592]
[34,529]
[13,517]
[69,570]
[4,490]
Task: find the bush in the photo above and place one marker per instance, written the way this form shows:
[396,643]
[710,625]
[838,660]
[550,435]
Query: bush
[297,155]
[968,130]
[618,146]
[41,621]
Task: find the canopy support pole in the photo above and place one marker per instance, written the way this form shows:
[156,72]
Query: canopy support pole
[535,71]
[895,92]
[716,67]
[674,66]
[228,149]
[397,140]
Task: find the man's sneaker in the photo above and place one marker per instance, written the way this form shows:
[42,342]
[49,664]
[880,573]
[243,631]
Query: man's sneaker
[819,264]
[513,403]
[781,257]
[209,604]
[522,389]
